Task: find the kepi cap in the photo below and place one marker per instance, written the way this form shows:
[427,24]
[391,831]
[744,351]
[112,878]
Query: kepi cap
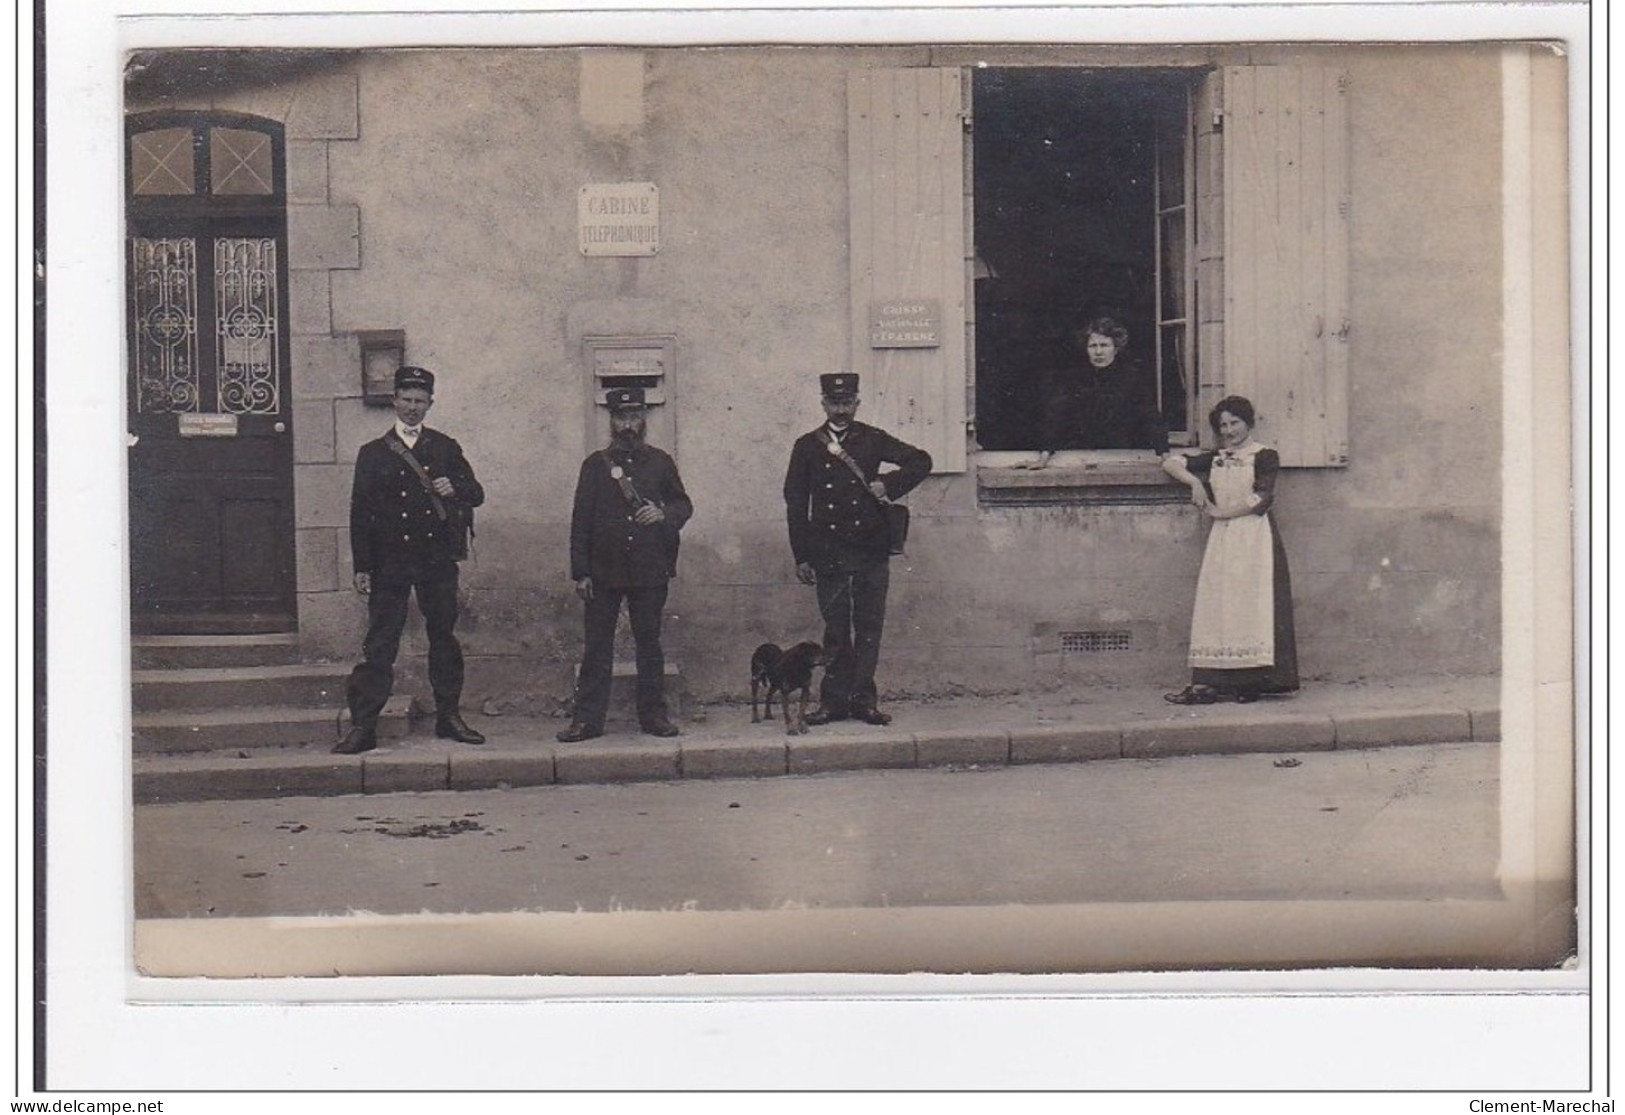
[408,376]
[624,399]
[839,385]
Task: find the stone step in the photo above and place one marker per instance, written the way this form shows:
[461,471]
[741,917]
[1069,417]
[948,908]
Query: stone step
[199,689]
[236,729]
[157,652]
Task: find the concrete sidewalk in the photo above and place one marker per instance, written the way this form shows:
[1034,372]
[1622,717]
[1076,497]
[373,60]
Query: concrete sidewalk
[719,741]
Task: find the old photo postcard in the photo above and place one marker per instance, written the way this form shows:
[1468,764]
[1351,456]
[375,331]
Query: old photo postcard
[1053,512]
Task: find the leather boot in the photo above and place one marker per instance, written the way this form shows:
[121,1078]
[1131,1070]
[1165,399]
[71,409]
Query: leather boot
[577,732]
[356,740]
[450,725]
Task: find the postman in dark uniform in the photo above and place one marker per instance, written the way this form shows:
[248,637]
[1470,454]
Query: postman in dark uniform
[840,540]
[411,511]
[625,530]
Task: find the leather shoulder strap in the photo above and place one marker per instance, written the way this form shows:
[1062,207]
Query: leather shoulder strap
[398,447]
[846,458]
[623,481]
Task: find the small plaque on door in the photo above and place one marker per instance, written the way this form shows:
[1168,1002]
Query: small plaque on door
[208,425]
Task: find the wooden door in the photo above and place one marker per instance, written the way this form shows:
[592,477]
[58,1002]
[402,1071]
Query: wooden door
[209,393]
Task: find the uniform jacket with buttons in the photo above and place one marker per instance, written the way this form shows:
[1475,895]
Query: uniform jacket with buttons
[605,543]
[829,509]
[393,524]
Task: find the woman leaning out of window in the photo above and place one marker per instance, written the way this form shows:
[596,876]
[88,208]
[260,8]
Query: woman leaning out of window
[1103,402]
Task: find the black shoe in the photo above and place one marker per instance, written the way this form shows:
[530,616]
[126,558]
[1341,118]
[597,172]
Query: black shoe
[356,740]
[824,716]
[1192,695]
[663,728]
[450,725]
[577,732]
[871,716]
[1245,696]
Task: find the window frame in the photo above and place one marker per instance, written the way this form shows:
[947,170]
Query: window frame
[1185,323]
[1105,477]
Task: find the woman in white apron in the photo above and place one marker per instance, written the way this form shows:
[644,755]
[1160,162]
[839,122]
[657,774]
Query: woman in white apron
[1242,640]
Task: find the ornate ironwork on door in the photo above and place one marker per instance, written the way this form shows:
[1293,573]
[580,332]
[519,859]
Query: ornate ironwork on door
[246,326]
[164,282]
[164,286]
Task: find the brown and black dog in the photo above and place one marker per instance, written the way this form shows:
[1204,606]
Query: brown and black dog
[782,671]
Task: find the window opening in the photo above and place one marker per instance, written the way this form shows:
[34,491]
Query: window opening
[1082,187]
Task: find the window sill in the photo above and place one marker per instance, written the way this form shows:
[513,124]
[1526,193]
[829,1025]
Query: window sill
[1077,478]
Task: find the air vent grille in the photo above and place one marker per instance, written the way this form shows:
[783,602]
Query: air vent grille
[1095,642]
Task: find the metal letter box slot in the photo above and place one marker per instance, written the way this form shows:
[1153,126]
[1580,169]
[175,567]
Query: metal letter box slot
[647,361]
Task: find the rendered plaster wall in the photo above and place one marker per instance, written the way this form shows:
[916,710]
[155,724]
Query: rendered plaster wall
[467,174]
[449,211]
[1397,557]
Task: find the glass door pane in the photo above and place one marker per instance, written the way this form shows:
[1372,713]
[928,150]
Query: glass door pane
[240,162]
[163,285]
[161,163]
[246,326]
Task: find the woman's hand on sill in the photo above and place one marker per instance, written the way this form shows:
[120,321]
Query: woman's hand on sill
[1038,462]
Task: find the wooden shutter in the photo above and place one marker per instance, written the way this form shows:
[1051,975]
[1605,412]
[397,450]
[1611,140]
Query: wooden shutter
[906,194]
[1286,256]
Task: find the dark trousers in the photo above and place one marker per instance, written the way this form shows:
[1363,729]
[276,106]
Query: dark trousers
[852,600]
[643,607]
[374,679]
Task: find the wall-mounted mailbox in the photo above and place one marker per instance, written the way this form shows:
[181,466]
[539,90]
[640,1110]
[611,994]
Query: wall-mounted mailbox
[646,361]
[383,351]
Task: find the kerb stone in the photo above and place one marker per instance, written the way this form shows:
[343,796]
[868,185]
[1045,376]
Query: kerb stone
[1068,743]
[1379,729]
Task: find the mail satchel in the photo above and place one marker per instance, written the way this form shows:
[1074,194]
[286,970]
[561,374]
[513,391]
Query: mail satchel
[896,527]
